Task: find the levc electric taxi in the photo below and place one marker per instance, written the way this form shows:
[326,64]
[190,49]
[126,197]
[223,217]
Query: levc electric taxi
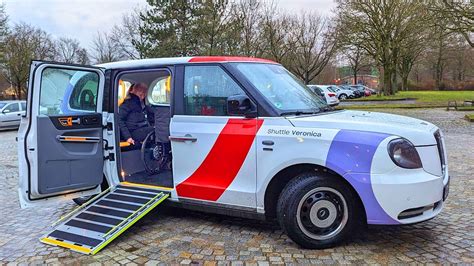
[232,135]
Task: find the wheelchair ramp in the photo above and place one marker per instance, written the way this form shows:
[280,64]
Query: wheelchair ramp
[90,227]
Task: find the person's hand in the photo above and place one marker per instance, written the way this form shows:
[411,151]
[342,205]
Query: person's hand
[131,141]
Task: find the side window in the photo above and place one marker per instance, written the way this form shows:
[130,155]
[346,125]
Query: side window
[13,107]
[160,91]
[65,91]
[206,89]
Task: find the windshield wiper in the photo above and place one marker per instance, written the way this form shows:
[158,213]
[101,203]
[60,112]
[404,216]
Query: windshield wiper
[300,112]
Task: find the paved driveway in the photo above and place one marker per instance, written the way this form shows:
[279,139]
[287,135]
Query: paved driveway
[179,236]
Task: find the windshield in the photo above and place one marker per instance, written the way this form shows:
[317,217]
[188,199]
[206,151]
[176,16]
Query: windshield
[2,105]
[283,90]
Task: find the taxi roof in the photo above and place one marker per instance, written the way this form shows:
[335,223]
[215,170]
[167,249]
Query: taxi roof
[181,60]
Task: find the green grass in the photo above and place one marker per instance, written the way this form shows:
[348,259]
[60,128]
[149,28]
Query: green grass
[424,96]
[465,108]
[470,117]
[424,99]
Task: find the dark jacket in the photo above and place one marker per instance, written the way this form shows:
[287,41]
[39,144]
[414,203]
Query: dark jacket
[133,115]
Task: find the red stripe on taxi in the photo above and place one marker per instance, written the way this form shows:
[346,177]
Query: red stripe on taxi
[222,164]
[198,59]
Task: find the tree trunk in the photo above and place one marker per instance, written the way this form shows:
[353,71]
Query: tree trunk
[387,80]
[404,82]
[394,81]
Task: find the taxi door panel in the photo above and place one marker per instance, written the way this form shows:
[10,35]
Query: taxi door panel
[60,138]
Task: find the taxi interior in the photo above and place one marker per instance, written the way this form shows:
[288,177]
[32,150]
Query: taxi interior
[148,162]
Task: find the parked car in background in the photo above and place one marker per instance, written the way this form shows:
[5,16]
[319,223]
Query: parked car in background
[343,93]
[357,92]
[366,90]
[10,113]
[329,95]
[318,92]
[373,92]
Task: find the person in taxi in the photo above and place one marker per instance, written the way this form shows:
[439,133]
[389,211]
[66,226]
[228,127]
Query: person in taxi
[136,119]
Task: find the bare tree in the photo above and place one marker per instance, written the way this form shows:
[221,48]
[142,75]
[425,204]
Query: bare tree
[315,44]
[381,26]
[249,15]
[274,30]
[458,16]
[126,36]
[357,58]
[69,51]
[104,49]
[22,45]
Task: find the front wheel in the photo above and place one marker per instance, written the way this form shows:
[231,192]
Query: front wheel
[317,210]
[343,97]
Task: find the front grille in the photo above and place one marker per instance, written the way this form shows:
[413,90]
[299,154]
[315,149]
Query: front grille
[414,212]
[439,143]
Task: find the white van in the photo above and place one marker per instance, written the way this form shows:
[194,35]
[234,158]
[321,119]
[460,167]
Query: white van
[246,139]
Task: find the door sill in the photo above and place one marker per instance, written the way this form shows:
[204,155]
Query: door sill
[132,184]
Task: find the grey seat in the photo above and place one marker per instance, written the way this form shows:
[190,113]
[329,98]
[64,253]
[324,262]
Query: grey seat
[162,123]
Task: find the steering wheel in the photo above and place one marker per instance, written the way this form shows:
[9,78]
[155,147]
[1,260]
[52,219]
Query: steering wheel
[153,154]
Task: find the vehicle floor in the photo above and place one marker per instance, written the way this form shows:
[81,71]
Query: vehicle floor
[162,179]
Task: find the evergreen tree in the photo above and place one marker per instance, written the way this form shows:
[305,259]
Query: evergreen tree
[170,28]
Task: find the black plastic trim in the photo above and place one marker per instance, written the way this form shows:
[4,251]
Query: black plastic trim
[118,205]
[92,242]
[98,218]
[107,211]
[88,226]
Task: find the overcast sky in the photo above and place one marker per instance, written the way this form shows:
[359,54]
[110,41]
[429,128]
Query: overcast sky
[82,19]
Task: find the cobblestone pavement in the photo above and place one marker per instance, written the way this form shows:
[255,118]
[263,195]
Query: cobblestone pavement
[178,236]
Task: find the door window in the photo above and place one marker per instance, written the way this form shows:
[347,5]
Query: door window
[206,89]
[66,91]
[13,107]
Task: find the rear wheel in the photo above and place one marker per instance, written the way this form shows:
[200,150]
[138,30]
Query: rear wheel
[153,154]
[317,210]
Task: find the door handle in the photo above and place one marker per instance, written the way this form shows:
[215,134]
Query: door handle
[184,138]
[78,139]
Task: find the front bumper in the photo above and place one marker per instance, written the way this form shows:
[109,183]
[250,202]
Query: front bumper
[408,196]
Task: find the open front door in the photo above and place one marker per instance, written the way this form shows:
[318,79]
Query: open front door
[60,139]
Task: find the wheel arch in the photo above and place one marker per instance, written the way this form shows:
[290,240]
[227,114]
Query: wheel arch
[280,179]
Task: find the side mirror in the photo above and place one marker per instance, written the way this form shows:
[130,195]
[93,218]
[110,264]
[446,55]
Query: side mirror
[241,105]
[6,111]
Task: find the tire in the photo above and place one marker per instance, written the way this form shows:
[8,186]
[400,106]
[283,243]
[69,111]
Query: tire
[342,97]
[317,210]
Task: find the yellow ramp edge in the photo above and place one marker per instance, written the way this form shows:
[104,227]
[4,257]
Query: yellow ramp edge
[145,186]
[55,242]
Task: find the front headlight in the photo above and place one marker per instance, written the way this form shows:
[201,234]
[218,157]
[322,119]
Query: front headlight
[404,154]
